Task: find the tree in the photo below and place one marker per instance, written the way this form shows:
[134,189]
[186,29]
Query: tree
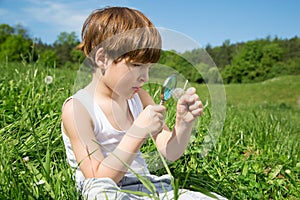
[247,61]
[15,44]
[272,54]
[65,38]
[5,32]
[48,58]
[21,31]
[16,48]
[63,47]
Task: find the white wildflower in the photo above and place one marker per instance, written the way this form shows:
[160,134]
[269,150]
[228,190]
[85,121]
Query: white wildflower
[48,80]
[41,182]
[26,158]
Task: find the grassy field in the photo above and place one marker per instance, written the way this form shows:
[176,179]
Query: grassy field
[257,156]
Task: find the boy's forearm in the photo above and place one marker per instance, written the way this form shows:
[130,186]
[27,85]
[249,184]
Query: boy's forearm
[176,143]
[116,164]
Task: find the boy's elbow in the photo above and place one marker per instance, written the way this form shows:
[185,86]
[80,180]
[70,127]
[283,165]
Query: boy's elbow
[171,156]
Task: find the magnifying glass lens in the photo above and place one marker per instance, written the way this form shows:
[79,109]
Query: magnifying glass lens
[168,87]
[167,93]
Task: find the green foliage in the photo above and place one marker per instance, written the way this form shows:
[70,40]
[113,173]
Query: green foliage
[181,65]
[48,58]
[222,55]
[67,38]
[15,48]
[255,61]
[260,60]
[33,162]
[16,45]
[256,156]
[5,31]
[194,66]
[67,55]
[247,62]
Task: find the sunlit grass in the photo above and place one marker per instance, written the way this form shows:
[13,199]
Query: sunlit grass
[257,155]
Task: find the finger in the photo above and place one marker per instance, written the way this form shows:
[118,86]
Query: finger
[158,111]
[191,91]
[186,99]
[197,112]
[196,105]
[159,108]
[160,116]
[155,114]
[189,99]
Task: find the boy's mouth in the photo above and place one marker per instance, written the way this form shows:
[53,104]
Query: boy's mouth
[136,89]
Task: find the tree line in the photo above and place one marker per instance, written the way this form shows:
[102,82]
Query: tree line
[245,62]
[17,46]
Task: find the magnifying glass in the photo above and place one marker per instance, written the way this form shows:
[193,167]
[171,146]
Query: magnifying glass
[167,89]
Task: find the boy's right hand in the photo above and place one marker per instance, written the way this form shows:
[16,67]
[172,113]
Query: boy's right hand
[150,121]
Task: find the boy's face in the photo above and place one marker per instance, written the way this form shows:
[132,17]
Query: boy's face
[125,79]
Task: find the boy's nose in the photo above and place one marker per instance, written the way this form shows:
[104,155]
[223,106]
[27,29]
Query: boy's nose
[144,77]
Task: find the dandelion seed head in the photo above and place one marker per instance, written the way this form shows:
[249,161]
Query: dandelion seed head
[48,80]
[177,93]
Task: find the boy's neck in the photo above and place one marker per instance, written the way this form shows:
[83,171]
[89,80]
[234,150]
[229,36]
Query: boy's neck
[100,90]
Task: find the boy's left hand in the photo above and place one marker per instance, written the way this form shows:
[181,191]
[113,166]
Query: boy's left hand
[189,106]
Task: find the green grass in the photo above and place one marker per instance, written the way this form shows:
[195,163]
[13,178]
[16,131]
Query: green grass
[280,91]
[30,122]
[257,156]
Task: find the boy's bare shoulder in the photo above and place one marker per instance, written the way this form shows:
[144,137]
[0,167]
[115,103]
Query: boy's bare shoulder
[68,108]
[74,114]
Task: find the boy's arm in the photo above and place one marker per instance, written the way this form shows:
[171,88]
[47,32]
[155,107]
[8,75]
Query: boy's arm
[79,129]
[173,143]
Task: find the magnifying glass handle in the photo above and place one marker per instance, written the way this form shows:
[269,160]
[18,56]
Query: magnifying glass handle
[162,102]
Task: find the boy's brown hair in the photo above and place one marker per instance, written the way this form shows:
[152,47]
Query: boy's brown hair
[123,33]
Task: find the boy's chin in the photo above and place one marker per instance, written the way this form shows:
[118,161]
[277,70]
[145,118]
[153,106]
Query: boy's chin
[132,95]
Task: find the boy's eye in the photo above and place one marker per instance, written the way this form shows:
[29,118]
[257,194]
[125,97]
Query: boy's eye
[141,65]
[136,64]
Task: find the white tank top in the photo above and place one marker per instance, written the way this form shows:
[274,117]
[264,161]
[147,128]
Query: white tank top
[107,136]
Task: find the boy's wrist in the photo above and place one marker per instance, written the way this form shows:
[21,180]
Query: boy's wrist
[183,123]
[143,133]
[138,133]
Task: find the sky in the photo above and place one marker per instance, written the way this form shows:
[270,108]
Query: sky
[199,22]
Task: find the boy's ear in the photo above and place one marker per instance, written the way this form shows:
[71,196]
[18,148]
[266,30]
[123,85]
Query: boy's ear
[100,58]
